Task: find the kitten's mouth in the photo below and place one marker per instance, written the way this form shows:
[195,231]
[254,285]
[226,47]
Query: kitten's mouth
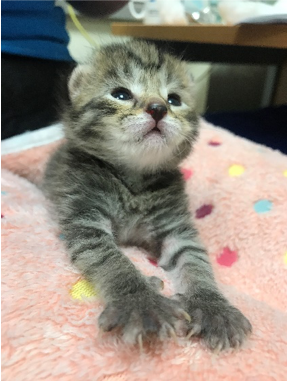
[154,131]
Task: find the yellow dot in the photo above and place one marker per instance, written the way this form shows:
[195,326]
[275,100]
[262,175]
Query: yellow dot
[285,258]
[82,289]
[285,173]
[236,170]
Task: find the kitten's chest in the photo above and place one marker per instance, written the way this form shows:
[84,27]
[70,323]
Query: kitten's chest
[134,223]
[134,230]
[140,203]
[133,196]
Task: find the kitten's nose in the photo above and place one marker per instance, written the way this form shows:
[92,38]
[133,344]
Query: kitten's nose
[157,110]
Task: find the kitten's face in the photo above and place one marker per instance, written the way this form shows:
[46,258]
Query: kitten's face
[133,104]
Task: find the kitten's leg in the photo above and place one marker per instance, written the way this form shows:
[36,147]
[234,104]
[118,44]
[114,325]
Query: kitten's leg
[219,323]
[132,302]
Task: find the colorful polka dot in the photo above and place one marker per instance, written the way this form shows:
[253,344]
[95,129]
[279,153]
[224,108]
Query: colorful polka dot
[285,173]
[62,237]
[227,257]
[153,262]
[236,170]
[214,143]
[262,206]
[3,193]
[187,173]
[203,211]
[82,289]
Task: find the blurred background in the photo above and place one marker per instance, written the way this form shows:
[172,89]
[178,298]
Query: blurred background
[210,79]
[239,97]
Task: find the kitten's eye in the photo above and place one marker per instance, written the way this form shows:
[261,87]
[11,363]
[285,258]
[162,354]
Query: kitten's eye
[122,94]
[174,100]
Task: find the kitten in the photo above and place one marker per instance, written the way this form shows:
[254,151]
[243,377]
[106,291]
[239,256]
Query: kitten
[115,181]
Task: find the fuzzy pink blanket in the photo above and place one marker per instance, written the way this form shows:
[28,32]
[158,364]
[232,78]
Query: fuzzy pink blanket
[238,198]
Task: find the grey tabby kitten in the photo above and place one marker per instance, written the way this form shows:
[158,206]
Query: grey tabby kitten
[116,181]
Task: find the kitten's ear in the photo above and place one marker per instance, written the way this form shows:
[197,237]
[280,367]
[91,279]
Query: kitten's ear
[77,79]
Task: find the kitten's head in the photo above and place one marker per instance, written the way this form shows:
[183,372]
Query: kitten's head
[132,105]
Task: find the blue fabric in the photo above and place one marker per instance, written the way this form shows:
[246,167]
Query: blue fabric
[34,29]
[265,126]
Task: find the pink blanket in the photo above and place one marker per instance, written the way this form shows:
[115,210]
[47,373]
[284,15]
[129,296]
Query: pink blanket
[238,198]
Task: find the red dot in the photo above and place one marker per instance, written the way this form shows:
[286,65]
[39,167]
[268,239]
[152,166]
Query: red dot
[203,211]
[214,143]
[2,215]
[153,261]
[187,173]
[227,257]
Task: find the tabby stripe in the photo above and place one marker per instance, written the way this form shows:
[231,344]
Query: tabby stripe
[200,268]
[102,211]
[205,275]
[201,258]
[85,246]
[77,241]
[97,211]
[89,131]
[161,213]
[92,268]
[88,230]
[102,107]
[175,226]
[176,256]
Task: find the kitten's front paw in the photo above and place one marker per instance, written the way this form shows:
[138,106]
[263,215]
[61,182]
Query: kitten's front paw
[221,325]
[141,315]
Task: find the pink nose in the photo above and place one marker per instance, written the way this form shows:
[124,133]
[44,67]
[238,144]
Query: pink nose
[156,110]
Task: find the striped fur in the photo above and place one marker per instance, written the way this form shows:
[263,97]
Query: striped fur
[112,183]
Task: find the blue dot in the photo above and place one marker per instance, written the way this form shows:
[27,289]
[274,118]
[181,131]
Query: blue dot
[62,237]
[262,206]
[3,192]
